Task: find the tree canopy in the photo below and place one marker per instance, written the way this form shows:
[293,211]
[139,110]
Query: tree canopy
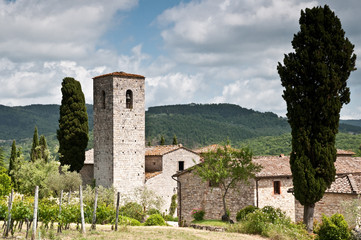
[73,125]
[315,81]
[226,167]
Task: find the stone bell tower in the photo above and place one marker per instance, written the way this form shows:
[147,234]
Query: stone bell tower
[119,131]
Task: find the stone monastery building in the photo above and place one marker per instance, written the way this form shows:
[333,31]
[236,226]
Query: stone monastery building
[119,157]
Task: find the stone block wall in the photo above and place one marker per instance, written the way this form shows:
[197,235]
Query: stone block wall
[103,130]
[197,194]
[87,174]
[119,133]
[330,204]
[284,200]
[163,185]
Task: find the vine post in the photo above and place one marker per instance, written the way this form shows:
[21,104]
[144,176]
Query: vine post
[35,215]
[81,210]
[93,227]
[9,213]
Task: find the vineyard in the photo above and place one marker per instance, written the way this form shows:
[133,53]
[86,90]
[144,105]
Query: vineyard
[17,211]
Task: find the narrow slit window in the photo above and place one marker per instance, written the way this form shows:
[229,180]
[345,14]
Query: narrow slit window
[277,187]
[103,99]
[129,99]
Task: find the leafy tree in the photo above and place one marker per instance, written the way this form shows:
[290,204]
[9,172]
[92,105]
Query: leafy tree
[148,199]
[226,167]
[73,125]
[315,80]
[34,153]
[175,141]
[5,184]
[162,141]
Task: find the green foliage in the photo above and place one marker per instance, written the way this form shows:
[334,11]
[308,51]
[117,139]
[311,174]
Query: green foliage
[2,158]
[148,199]
[14,164]
[241,215]
[352,211]
[5,184]
[334,228]
[66,180]
[3,209]
[48,211]
[128,221]
[227,167]
[173,205]
[105,195]
[132,210]
[73,125]
[175,140]
[198,214]
[35,153]
[44,151]
[153,211]
[271,223]
[155,220]
[162,141]
[22,210]
[315,81]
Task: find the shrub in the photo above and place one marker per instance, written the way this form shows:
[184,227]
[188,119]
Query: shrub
[173,205]
[155,220]
[170,218]
[132,210]
[245,211]
[153,211]
[333,228]
[197,214]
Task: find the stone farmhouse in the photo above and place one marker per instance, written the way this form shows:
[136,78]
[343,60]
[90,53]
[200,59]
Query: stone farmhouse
[120,158]
[271,187]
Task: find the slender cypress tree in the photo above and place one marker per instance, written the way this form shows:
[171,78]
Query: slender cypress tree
[162,141]
[315,81]
[175,140]
[14,163]
[2,158]
[34,153]
[44,152]
[73,125]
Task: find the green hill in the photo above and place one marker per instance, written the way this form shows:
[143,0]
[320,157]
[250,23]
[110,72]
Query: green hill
[194,125]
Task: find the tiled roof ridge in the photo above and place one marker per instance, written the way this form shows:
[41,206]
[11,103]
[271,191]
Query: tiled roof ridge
[121,74]
[353,184]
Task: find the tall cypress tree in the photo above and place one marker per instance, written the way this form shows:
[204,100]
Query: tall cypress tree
[73,125]
[14,163]
[34,153]
[162,141]
[315,81]
[44,152]
[175,140]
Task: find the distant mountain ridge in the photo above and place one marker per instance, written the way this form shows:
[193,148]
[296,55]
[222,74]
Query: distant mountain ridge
[193,124]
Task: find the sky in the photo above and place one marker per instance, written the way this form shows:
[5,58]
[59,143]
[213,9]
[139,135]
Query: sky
[190,51]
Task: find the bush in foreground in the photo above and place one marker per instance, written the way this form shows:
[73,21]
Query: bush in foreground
[155,220]
[333,228]
[241,215]
[272,223]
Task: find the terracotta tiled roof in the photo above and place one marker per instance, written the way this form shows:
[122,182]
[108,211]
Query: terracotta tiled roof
[343,184]
[89,156]
[120,74]
[161,150]
[341,152]
[273,166]
[149,175]
[210,148]
[348,165]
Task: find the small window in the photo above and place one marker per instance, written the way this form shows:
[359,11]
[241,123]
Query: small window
[181,165]
[129,99]
[103,99]
[277,187]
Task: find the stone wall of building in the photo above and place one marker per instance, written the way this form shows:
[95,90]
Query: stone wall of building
[194,193]
[163,184]
[330,204]
[119,132]
[267,197]
[103,130]
[153,163]
[87,174]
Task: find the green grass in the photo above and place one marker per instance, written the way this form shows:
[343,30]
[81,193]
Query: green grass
[216,223]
